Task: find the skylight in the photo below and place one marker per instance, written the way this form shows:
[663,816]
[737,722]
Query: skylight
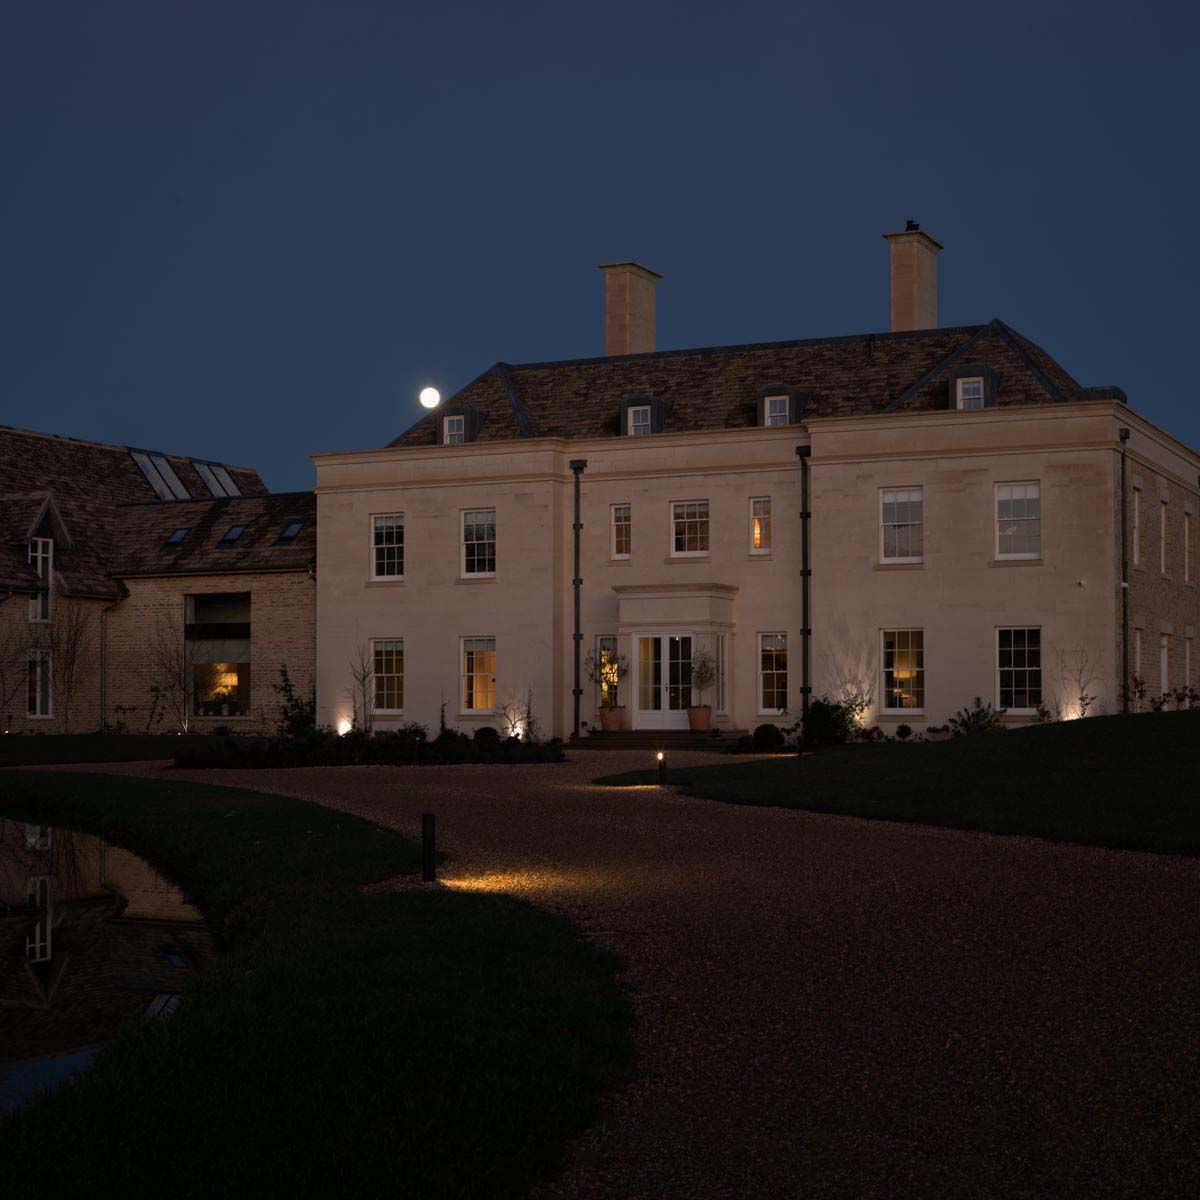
[290,530]
[178,535]
[231,535]
[216,478]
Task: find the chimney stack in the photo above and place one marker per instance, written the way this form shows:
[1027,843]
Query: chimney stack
[914,278]
[628,308]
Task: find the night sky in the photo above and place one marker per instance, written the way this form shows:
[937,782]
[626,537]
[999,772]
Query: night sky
[252,231]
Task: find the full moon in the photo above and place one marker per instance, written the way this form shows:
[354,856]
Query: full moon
[431,397]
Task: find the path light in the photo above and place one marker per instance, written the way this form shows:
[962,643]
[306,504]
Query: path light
[662,770]
[430,397]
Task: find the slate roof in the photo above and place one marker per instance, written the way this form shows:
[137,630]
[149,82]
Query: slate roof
[718,387]
[97,493]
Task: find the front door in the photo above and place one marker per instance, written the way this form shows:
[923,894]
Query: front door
[664,681]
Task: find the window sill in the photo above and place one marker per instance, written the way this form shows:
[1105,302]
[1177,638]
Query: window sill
[1015,562]
[39,716]
[388,714]
[918,565]
[386,582]
[761,554]
[476,579]
[619,557]
[685,558]
[900,715]
[477,714]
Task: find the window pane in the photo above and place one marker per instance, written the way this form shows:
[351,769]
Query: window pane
[902,520]
[622,530]
[690,520]
[388,537]
[772,652]
[639,420]
[389,675]
[1019,665]
[1018,520]
[479,542]
[904,669]
[760,520]
[479,674]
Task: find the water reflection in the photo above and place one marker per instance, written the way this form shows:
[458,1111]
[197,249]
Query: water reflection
[90,938]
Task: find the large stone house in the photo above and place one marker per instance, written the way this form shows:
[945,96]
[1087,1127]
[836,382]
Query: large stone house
[145,591]
[961,535]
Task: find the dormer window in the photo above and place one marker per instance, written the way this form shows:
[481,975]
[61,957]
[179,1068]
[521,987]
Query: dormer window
[454,430]
[639,420]
[775,410]
[780,405]
[970,392]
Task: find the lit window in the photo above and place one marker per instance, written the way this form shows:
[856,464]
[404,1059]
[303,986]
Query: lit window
[609,675]
[41,559]
[1162,537]
[389,675]
[902,525]
[903,669]
[970,393]
[177,536]
[1019,668]
[479,674]
[454,430]
[479,541]
[387,540]
[689,521]
[1137,525]
[775,411]
[231,535]
[772,672]
[40,685]
[622,530]
[217,653]
[1018,520]
[289,533]
[760,525]
[639,420]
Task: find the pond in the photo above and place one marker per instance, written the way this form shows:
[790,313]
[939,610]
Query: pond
[91,939]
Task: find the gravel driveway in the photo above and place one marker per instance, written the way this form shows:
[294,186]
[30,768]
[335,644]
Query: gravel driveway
[833,1007]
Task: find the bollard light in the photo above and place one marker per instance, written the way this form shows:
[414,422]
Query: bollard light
[662,770]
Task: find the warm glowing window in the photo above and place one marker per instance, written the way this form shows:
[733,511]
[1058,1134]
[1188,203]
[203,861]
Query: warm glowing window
[387,546]
[622,530]
[40,685]
[689,522]
[970,393]
[1137,525]
[389,674]
[903,669]
[608,672]
[222,689]
[772,672]
[775,410]
[1018,520]
[639,422]
[1162,537]
[454,430]
[479,541]
[41,559]
[1019,668]
[216,653]
[760,525]
[478,674]
[902,525]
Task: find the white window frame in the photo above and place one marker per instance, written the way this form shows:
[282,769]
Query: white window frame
[454,430]
[960,387]
[1019,712]
[41,559]
[632,421]
[885,491]
[44,661]
[375,576]
[376,675]
[1024,555]
[1162,537]
[707,529]
[755,516]
[787,683]
[462,673]
[462,544]
[612,530]
[1137,526]
[777,410]
[912,712]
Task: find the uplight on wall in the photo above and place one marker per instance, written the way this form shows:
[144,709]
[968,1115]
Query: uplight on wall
[430,397]
[343,726]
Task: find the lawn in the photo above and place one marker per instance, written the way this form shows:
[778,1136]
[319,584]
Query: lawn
[424,1043]
[44,749]
[1125,782]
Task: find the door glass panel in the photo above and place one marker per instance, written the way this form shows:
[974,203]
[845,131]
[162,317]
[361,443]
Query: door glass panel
[679,676]
[650,674]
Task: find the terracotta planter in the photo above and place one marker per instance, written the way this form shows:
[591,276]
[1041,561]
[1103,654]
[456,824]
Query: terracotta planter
[700,718]
[610,718]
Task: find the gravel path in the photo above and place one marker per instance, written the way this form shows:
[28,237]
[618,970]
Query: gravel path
[838,1008]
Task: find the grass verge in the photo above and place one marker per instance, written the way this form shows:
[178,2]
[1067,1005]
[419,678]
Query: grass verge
[1125,782]
[44,749]
[424,1043]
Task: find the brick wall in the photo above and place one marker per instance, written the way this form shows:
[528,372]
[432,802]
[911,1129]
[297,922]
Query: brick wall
[282,632]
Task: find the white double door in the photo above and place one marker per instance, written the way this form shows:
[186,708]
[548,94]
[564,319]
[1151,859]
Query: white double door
[663,680]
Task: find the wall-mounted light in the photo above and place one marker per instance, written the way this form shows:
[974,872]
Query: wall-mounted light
[430,397]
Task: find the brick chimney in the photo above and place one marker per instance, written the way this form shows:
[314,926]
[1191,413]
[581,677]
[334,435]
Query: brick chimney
[628,307]
[914,278]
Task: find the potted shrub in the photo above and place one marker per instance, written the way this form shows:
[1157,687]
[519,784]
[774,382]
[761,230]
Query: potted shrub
[606,670]
[704,675]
